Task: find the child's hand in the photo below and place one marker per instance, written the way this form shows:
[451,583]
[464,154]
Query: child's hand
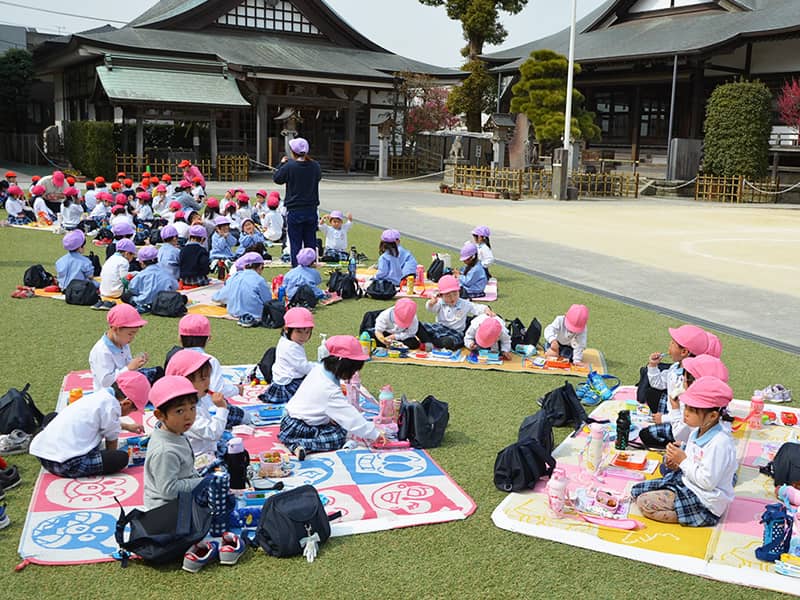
[655,358]
[218,400]
[132,427]
[490,312]
[657,418]
[380,440]
[349,216]
[675,455]
[138,362]
[506,355]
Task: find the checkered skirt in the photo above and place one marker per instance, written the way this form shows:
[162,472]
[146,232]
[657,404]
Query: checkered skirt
[85,465]
[691,511]
[235,416]
[314,438]
[280,394]
[437,333]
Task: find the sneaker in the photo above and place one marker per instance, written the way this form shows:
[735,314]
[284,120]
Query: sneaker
[231,548]
[16,442]
[777,394]
[249,321]
[9,478]
[199,555]
[98,305]
[4,520]
[108,305]
[2,492]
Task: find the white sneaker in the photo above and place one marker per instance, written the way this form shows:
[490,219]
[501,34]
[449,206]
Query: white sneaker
[16,442]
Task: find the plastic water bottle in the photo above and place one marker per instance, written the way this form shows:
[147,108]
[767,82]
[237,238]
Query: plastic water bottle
[354,390]
[756,410]
[352,263]
[322,351]
[386,403]
[623,429]
[557,491]
[366,343]
[420,275]
[594,454]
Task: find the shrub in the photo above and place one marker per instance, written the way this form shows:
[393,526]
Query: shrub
[737,130]
[90,147]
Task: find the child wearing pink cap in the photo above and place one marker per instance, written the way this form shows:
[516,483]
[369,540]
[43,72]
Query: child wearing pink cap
[40,208]
[144,209]
[149,282]
[451,313]
[319,418]
[389,259]
[73,265]
[699,488]
[194,261]
[398,324]
[472,278]
[272,222]
[566,335]
[695,367]
[685,341]
[335,229]
[291,363]
[15,207]
[304,274]
[243,210]
[69,445]
[480,235]
[71,214]
[488,332]
[112,352]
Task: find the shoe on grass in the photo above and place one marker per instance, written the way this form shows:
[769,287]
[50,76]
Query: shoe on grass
[248,321]
[231,548]
[199,555]
[16,442]
[4,520]
[9,478]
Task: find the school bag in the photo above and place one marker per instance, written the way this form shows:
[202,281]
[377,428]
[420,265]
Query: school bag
[344,284]
[170,353]
[423,423]
[645,394]
[272,314]
[785,467]
[155,236]
[35,276]
[142,236]
[266,363]
[520,465]
[436,269]
[381,289]
[368,321]
[521,335]
[289,517]
[562,407]
[162,535]
[169,304]
[18,411]
[104,234]
[95,263]
[81,292]
[305,297]
[539,427]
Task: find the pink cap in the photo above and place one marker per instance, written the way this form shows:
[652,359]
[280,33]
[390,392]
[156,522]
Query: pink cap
[73,240]
[125,245]
[198,231]
[705,365]
[161,188]
[147,253]
[184,184]
[121,199]
[71,191]
[448,283]
[118,210]
[299,145]
[690,337]
[273,201]
[180,214]
[38,190]
[388,236]
[170,387]
[186,362]
[405,310]
[58,178]
[220,221]
[123,228]
[135,386]
[174,205]
[274,194]
[144,196]
[707,392]
[482,230]
[212,203]
[168,232]
[488,332]
[306,256]
[297,317]
[714,345]
[262,193]
[251,258]
[15,190]
[194,325]
[467,250]
[243,198]
[230,205]
[124,315]
[184,163]
[345,346]
[576,317]
[336,214]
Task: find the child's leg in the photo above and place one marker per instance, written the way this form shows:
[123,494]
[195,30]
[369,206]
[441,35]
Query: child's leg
[657,436]
[85,465]
[658,505]
[114,461]
[296,433]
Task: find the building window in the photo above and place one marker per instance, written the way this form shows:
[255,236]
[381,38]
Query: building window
[269,15]
[613,114]
[654,118]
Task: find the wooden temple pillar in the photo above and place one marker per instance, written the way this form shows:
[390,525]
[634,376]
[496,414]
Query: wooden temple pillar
[212,132]
[262,128]
[636,121]
[697,101]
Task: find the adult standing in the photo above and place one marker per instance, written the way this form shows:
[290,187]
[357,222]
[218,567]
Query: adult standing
[301,175]
[190,172]
[54,186]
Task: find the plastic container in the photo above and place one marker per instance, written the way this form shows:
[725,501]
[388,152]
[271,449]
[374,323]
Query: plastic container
[525,349]
[274,464]
[623,429]
[557,491]
[594,452]
[630,460]
[75,394]
[754,420]
[354,390]
[387,413]
[421,275]
[366,343]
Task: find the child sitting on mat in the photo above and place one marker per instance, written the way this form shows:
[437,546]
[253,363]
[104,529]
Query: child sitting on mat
[169,254]
[251,239]
[247,293]
[472,278]
[304,274]
[480,235]
[291,364]
[15,207]
[685,341]
[451,315]
[113,275]
[147,283]
[222,241]
[69,443]
[169,463]
[408,264]
[194,261]
[399,324]
[319,418]
[566,335]
[272,220]
[74,265]
[335,229]
[694,367]
[112,352]
[699,487]
[389,261]
[213,414]
[488,332]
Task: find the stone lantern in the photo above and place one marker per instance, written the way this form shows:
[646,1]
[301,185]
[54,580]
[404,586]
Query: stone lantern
[385,129]
[501,125]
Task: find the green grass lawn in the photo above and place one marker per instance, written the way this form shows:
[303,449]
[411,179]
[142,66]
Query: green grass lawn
[42,339]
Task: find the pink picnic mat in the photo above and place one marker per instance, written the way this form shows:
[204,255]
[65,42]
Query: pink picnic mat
[364,277]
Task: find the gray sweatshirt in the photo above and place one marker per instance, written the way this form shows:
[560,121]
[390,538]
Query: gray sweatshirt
[168,468]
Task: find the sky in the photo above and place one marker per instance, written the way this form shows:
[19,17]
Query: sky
[405,27]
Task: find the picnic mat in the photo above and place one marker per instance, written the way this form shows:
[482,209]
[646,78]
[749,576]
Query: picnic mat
[37,227]
[593,358]
[724,552]
[202,304]
[72,521]
[364,277]
[198,295]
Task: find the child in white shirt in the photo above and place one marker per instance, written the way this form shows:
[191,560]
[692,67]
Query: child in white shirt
[335,229]
[451,315]
[488,332]
[291,364]
[115,269]
[399,324]
[112,352]
[272,222]
[566,335]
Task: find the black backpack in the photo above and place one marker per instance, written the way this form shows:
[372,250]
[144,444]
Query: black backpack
[344,284]
[170,353]
[521,335]
[436,270]
[104,234]
[81,292]
[272,314]
[645,394]
[142,237]
[266,362]
[155,236]
[169,304]
[423,423]
[519,466]
[17,411]
[381,289]
[538,427]
[164,534]
[36,277]
[785,467]
[563,407]
[305,297]
[368,321]
[95,263]
[287,518]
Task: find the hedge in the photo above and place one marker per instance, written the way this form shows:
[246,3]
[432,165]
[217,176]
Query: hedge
[90,147]
[737,129]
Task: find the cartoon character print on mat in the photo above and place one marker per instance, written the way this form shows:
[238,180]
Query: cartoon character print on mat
[411,497]
[78,379]
[366,467]
[91,492]
[349,500]
[314,471]
[78,530]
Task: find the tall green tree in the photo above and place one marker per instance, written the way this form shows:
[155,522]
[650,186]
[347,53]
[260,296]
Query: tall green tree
[541,94]
[480,24]
[16,77]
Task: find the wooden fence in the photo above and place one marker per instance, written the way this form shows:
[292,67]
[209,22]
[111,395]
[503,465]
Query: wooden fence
[229,167]
[21,147]
[710,188]
[402,166]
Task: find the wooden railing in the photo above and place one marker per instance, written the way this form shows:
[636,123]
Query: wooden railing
[229,167]
[711,188]
[402,166]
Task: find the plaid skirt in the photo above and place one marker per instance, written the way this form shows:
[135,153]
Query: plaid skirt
[280,394]
[691,511]
[85,465]
[442,336]
[195,280]
[314,438]
[333,255]
[660,434]
[235,416]
[18,220]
